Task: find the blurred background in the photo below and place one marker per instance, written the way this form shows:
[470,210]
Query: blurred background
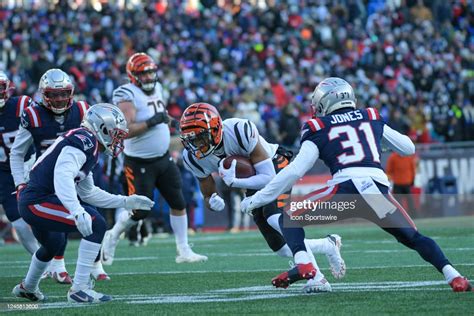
[411,59]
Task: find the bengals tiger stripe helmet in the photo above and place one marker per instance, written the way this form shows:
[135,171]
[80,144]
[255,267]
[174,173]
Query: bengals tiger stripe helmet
[201,129]
[142,71]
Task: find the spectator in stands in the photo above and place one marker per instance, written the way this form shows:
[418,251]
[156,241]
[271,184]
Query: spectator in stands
[401,170]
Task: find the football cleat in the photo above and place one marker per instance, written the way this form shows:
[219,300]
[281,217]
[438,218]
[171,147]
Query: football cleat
[317,286]
[299,272]
[461,284]
[98,272]
[35,296]
[185,254]
[109,244]
[87,296]
[57,271]
[337,264]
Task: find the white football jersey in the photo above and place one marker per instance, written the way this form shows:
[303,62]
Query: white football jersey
[155,141]
[239,138]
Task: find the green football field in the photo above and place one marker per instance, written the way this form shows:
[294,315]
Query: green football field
[383,277]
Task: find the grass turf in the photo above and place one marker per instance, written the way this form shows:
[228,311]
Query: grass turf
[383,277]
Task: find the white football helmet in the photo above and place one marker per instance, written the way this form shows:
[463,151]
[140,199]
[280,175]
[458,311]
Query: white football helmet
[332,94]
[5,87]
[108,123]
[56,90]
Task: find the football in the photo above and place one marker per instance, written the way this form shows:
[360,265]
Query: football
[244,167]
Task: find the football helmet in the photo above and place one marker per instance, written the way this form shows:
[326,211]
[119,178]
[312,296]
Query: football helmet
[201,129]
[56,90]
[332,94]
[108,123]
[5,87]
[142,71]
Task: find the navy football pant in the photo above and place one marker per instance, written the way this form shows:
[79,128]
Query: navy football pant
[398,224]
[48,219]
[7,195]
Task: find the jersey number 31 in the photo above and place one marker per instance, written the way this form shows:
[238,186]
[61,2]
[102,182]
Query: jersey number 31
[353,142]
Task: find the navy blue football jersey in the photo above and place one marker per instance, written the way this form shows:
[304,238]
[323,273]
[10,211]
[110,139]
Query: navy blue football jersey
[9,123]
[42,173]
[45,127]
[347,138]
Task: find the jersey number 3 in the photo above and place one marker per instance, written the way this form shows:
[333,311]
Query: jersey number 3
[353,142]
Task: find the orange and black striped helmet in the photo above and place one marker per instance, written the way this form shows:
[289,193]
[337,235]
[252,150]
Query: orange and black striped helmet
[142,71]
[201,129]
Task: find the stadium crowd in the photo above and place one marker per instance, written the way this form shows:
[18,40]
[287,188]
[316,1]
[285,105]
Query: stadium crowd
[413,61]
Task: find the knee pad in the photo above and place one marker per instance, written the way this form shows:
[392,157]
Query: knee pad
[139,215]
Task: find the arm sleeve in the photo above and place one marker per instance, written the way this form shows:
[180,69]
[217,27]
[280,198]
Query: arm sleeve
[91,194]
[397,142]
[265,172]
[284,180]
[67,167]
[122,94]
[22,143]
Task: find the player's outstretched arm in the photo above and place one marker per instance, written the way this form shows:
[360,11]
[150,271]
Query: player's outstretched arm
[397,142]
[23,141]
[68,165]
[285,179]
[94,195]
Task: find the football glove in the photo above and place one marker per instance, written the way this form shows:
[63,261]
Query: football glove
[227,175]
[83,222]
[246,205]
[138,202]
[216,203]
[158,118]
[19,188]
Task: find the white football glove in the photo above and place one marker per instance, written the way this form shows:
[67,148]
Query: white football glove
[228,175]
[138,202]
[83,222]
[247,205]
[216,203]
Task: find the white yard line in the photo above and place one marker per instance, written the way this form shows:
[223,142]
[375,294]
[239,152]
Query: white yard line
[213,270]
[252,293]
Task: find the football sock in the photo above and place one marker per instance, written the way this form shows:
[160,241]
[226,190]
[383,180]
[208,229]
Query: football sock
[179,224]
[57,264]
[450,273]
[321,245]
[319,274]
[36,270]
[294,237]
[85,261]
[426,247]
[285,252]
[123,223]
[25,235]
[302,257]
